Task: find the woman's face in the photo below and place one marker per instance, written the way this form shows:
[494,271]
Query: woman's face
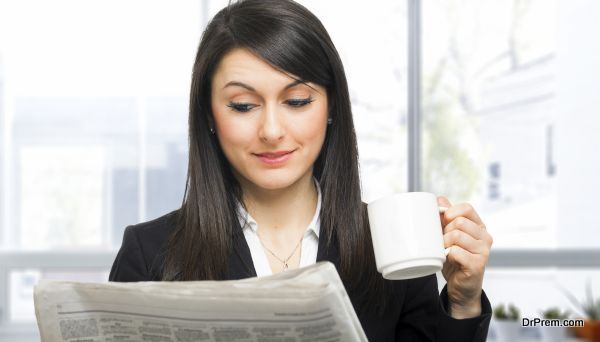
[270,127]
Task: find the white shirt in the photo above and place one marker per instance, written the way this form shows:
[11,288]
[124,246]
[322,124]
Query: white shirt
[310,241]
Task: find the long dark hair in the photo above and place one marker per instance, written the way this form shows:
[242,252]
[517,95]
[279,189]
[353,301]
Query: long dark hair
[290,38]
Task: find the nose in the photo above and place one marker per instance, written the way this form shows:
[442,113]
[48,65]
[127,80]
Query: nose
[272,129]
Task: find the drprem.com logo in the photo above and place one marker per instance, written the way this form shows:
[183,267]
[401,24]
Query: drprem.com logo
[539,322]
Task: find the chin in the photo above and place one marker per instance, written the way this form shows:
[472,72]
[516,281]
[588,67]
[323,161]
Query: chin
[272,181]
[274,184]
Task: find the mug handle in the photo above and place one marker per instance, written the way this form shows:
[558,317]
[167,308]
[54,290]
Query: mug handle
[443,210]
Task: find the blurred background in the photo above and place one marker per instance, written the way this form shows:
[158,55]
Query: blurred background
[492,102]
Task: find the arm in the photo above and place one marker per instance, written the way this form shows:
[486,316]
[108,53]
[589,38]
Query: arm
[425,316]
[420,310]
[129,265]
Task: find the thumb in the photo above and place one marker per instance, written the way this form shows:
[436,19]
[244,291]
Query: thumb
[443,202]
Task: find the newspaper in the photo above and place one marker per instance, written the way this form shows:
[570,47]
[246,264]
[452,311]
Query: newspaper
[306,304]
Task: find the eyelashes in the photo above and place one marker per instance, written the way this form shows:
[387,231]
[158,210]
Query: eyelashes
[240,107]
[299,102]
[246,107]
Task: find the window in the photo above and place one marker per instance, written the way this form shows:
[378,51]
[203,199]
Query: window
[489,90]
[505,109]
[93,121]
[94,118]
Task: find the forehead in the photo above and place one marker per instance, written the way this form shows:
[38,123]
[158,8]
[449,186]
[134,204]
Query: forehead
[242,65]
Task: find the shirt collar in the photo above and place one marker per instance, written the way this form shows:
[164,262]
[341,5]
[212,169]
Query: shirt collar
[248,222]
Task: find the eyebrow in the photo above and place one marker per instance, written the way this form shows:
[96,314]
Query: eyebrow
[243,85]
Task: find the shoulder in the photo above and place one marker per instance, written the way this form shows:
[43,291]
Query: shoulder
[152,232]
[141,255]
[152,236]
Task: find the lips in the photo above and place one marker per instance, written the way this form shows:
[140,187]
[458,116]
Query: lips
[275,158]
[275,154]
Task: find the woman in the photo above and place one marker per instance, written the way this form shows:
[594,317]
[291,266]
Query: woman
[273,183]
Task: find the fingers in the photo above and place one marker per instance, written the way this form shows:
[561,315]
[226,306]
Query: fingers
[473,262]
[463,217]
[443,202]
[465,241]
[464,210]
[477,231]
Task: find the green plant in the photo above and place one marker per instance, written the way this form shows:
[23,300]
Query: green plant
[590,307]
[555,313]
[510,314]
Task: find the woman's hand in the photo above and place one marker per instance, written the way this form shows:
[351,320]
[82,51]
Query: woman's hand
[470,244]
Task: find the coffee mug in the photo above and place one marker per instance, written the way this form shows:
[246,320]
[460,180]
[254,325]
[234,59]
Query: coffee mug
[407,235]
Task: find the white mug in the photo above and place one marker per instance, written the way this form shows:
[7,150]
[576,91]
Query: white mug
[407,235]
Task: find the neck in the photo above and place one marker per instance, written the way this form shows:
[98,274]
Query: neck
[282,211]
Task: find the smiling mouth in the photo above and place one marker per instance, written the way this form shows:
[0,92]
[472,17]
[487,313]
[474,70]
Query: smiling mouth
[275,158]
[275,154]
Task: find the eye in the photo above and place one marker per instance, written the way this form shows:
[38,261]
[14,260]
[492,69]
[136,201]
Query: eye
[299,102]
[241,107]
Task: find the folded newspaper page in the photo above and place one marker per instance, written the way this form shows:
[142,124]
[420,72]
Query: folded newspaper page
[306,304]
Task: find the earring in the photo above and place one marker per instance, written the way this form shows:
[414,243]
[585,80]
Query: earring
[329,121]
[212,130]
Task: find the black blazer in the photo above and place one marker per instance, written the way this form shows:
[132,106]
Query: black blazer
[417,313]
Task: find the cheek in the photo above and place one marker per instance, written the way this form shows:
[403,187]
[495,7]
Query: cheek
[314,132]
[315,128]
[232,134]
